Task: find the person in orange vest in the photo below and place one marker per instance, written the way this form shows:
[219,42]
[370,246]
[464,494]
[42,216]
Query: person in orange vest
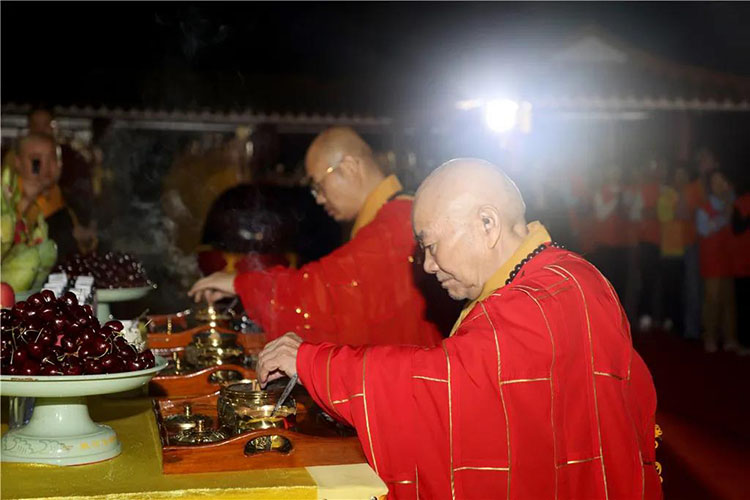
[713,224]
[369,290]
[649,241]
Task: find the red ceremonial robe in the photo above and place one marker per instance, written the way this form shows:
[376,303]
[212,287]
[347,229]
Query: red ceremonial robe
[538,394]
[365,292]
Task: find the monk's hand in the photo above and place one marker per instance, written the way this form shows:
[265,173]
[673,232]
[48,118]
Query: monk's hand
[278,358]
[214,287]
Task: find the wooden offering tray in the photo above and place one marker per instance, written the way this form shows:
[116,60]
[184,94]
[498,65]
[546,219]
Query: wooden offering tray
[313,440]
[197,383]
[251,342]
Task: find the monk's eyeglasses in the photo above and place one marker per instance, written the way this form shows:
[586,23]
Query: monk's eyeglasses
[316,187]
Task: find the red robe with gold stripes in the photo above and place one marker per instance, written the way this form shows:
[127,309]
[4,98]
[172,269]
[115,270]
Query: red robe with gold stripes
[368,291]
[539,394]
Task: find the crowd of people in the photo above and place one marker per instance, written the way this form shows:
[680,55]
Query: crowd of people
[673,240]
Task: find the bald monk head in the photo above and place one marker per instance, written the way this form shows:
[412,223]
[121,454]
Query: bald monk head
[343,171]
[469,218]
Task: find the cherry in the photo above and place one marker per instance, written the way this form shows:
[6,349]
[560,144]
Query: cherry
[89,310]
[19,357]
[67,343]
[48,313]
[50,369]
[21,306]
[48,295]
[99,346]
[46,339]
[147,358]
[36,300]
[92,366]
[72,367]
[86,350]
[135,365]
[12,370]
[115,325]
[112,364]
[30,367]
[69,299]
[35,349]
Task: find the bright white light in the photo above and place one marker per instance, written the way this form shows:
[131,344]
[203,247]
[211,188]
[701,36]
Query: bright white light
[501,115]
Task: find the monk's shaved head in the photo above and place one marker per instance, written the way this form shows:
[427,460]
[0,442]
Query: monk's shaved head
[470,217]
[335,143]
[460,186]
[342,170]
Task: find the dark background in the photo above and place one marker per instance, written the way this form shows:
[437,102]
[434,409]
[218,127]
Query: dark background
[380,58]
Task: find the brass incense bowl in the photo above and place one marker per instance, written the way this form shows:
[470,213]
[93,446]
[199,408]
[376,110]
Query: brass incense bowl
[199,434]
[213,348]
[186,420]
[244,407]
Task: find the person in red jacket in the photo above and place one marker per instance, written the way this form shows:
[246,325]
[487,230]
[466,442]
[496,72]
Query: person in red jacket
[368,291]
[537,394]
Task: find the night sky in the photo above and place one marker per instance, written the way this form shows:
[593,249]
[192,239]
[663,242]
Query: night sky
[376,58]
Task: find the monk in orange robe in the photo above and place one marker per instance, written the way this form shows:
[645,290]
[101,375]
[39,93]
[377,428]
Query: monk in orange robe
[538,392]
[368,291]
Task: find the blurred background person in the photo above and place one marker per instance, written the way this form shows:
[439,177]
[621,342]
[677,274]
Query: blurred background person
[713,224]
[37,164]
[674,216]
[741,261]
[610,241]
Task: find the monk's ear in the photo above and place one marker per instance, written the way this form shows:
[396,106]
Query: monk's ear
[350,167]
[490,221]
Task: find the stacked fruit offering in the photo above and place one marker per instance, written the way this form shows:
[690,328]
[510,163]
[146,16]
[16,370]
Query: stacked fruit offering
[45,335]
[110,269]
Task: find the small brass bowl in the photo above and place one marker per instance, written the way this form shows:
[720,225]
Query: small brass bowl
[186,420]
[199,434]
[213,348]
[245,407]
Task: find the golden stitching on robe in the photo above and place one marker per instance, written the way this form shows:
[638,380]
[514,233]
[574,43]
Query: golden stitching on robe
[624,326]
[582,461]
[605,374]
[367,417]
[328,376]
[450,417]
[593,379]
[522,380]
[551,382]
[500,388]
[339,401]
[483,468]
[423,377]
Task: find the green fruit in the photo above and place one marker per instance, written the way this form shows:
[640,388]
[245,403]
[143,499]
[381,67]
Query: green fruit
[20,267]
[47,253]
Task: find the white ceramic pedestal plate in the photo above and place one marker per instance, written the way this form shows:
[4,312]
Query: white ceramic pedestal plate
[105,296]
[61,431]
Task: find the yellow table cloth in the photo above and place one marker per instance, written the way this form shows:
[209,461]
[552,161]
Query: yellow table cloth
[136,472]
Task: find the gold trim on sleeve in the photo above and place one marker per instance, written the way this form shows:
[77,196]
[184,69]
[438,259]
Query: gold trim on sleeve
[423,377]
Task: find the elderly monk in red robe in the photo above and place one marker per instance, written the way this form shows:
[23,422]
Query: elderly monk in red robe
[537,394]
[365,292]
